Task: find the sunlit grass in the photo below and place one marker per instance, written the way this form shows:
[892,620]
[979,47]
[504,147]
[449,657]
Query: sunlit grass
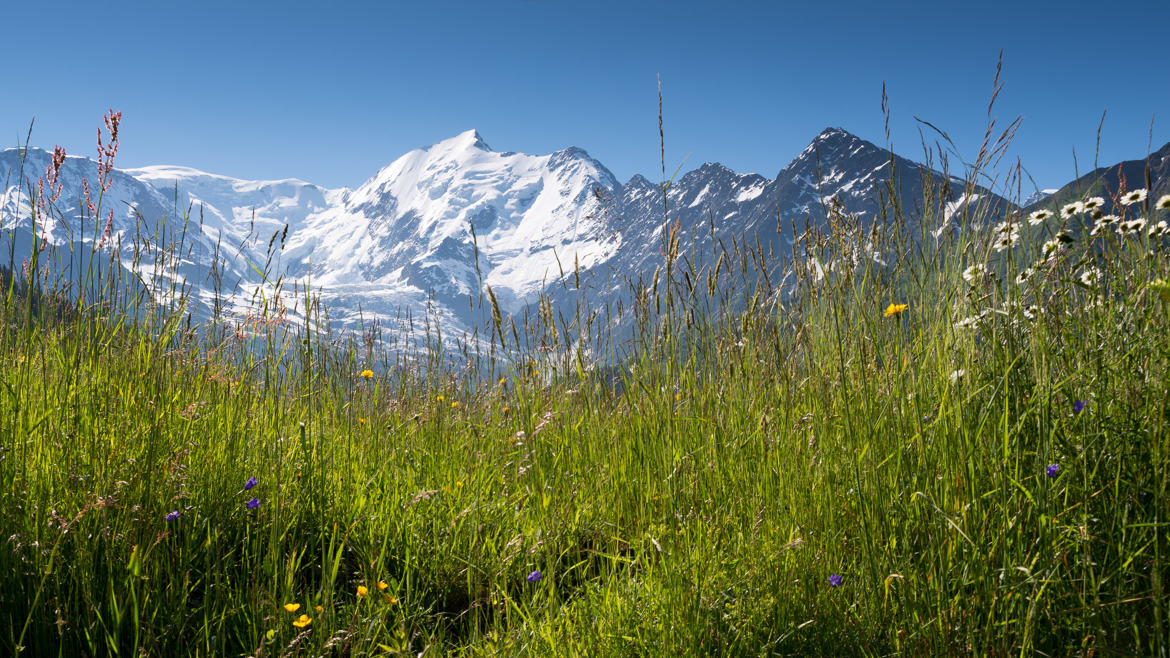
[959,448]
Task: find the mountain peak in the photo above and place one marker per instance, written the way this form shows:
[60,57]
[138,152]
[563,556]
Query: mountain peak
[466,140]
[833,134]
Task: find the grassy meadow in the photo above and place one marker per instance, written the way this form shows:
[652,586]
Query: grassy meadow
[958,447]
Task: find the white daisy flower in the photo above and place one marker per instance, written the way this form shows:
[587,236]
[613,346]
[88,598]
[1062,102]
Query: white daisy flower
[1096,213]
[1132,226]
[1030,311]
[1005,228]
[1074,208]
[1049,248]
[1164,202]
[1039,217]
[957,375]
[1094,203]
[1064,237]
[1097,229]
[1136,196]
[1024,275]
[1006,240]
[1090,276]
[974,273]
[967,323]
[1159,229]
[1109,219]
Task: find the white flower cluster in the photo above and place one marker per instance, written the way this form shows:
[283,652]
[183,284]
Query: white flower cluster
[1005,235]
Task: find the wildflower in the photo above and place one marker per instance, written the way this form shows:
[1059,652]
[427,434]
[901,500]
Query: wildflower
[1024,275]
[957,375]
[894,310]
[1005,235]
[362,591]
[974,273]
[1038,217]
[1079,406]
[253,504]
[1050,248]
[1159,229]
[1064,237]
[455,404]
[292,607]
[361,421]
[382,585]
[1090,276]
[1074,208]
[172,515]
[1097,229]
[1030,311]
[1132,226]
[835,581]
[1162,287]
[302,621]
[440,398]
[967,323]
[250,483]
[1004,227]
[1163,202]
[1051,470]
[319,608]
[367,373]
[1093,203]
[1096,213]
[503,380]
[1130,198]
[535,577]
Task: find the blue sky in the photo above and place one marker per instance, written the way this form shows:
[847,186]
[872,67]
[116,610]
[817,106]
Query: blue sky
[330,94]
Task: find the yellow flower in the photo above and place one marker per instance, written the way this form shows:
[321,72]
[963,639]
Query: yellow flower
[1162,287]
[504,410]
[382,585]
[503,380]
[302,621]
[392,600]
[895,310]
[440,398]
[455,404]
[319,608]
[292,607]
[367,373]
[362,591]
[361,421]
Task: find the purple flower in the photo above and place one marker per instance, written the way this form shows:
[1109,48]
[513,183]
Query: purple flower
[535,577]
[1051,470]
[253,504]
[172,515]
[250,483]
[835,580]
[1079,406]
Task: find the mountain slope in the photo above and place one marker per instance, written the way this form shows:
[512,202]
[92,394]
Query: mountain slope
[429,233]
[1107,181]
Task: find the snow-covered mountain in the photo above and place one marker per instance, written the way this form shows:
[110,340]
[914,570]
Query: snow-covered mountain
[424,234]
[429,233]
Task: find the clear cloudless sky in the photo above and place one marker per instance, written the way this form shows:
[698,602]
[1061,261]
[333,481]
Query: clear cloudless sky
[331,92]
